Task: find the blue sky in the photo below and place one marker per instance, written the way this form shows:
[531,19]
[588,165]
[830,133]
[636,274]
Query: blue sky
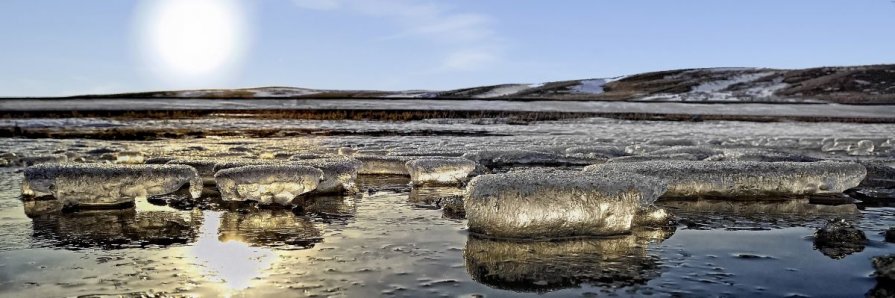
[91,46]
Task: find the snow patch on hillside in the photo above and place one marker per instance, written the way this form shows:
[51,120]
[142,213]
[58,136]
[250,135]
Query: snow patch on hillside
[505,90]
[592,86]
[718,86]
[726,90]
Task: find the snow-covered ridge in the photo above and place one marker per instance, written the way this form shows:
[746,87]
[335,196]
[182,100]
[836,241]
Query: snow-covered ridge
[856,84]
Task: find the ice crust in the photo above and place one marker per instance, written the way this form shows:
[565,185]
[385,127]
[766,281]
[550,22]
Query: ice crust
[267,184]
[383,165]
[557,204]
[107,184]
[744,178]
[439,171]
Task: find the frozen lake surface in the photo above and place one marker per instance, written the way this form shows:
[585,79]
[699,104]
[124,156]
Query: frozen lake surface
[391,239]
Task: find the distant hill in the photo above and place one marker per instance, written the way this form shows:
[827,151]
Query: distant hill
[870,84]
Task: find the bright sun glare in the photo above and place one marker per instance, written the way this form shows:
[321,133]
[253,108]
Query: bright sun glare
[192,40]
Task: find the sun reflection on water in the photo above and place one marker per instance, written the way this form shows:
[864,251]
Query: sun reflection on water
[233,263]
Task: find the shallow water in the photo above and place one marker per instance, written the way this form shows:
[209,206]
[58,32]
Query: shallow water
[390,239]
[387,245]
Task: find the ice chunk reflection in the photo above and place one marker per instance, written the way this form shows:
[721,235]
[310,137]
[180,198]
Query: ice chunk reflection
[273,228]
[553,265]
[706,214]
[109,229]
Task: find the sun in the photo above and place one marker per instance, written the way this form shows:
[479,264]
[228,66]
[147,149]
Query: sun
[192,40]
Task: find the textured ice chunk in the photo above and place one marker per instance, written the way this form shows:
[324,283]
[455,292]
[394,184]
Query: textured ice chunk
[347,151]
[439,171]
[267,184]
[879,174]
[652,216]
[27,161]
[512,157]
[863,147]
[339,174]
[130,157]
[383,165]
[744,178]
[539,204]
[553,265]
[236,163]
[105,184]
[828,145]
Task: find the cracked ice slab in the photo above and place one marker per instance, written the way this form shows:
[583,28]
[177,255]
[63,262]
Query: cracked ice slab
[743,178]
[556,204]
[439,171]
[267,184]
[107,184]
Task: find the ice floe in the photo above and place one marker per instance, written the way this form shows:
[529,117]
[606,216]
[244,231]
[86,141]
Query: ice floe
[744,178]
[439,171]
[267,184]
[383,165]
[339,174]
[106,184]
[542,204]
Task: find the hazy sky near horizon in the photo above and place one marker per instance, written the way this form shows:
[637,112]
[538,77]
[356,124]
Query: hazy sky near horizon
[63,47]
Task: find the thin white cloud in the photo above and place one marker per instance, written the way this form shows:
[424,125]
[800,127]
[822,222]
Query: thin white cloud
[471,41]
[318,4]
